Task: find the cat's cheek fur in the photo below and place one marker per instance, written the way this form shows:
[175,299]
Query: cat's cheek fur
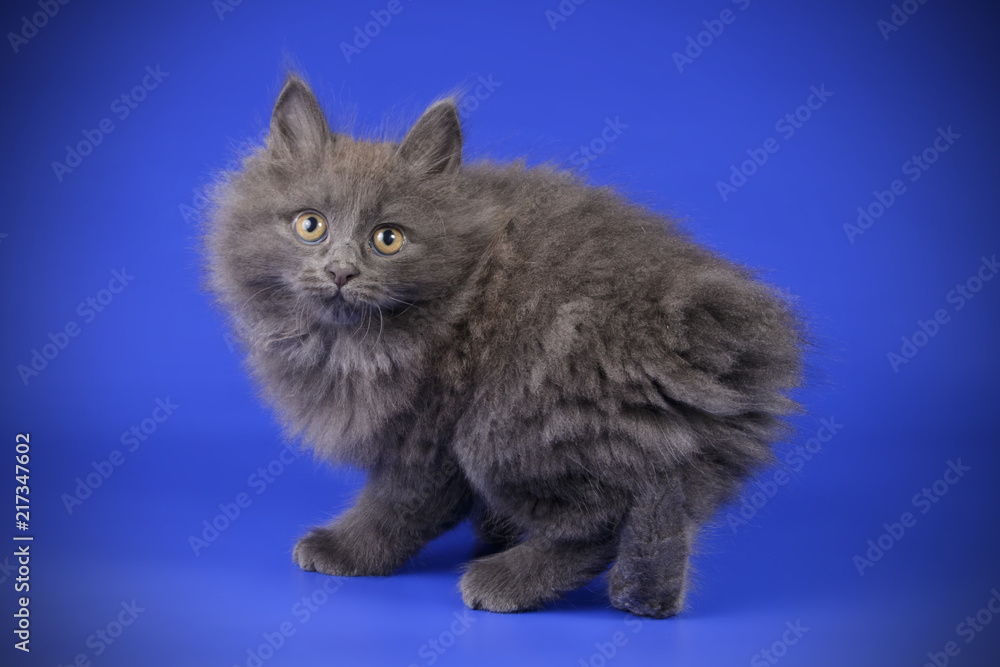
[569,369]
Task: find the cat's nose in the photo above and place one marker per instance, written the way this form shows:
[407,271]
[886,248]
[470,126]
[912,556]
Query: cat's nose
[341,272]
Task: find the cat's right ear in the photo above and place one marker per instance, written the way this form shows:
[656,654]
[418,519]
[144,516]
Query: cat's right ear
[434,144]
[298,126]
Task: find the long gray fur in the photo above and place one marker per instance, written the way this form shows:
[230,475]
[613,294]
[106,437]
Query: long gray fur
[569,369]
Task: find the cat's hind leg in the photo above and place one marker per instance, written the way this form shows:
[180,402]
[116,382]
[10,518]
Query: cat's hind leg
[569,538]
[532,573]
[650,574]
[398,512]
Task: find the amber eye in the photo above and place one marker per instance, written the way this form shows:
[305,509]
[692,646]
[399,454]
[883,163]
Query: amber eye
[387,240]
[310,226]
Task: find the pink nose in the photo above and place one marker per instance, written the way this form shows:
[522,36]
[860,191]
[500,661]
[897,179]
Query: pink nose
[341,272]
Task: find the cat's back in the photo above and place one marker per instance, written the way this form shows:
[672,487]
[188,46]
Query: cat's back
[563,247]
[566,239]
[590,308]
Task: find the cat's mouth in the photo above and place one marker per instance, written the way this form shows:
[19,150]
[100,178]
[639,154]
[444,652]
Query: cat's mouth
[352,305]
[337,302]
[341,307]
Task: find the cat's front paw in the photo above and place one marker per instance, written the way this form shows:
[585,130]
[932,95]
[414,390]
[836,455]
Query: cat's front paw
[493,585]
[326,551]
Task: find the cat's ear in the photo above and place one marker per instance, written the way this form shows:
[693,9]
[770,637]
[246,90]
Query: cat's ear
[434,143]
[298,125]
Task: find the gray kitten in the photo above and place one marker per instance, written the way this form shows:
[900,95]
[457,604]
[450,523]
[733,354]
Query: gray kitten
[499,342]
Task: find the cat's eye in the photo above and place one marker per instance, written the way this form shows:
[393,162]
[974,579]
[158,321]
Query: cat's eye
[387,240]
[310,226]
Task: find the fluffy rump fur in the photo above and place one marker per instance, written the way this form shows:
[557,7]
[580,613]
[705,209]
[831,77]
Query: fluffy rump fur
[568,368]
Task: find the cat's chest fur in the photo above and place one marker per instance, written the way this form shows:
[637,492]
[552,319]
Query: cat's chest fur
[363,397]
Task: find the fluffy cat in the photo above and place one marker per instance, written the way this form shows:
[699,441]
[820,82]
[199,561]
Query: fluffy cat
[500,342]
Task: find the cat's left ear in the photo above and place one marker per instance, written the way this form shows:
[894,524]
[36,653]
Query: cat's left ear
[434,143]
[298,125]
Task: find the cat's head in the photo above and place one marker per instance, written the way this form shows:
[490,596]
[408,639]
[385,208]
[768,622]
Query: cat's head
[320,229]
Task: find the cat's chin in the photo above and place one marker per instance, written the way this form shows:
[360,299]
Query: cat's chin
[343,311]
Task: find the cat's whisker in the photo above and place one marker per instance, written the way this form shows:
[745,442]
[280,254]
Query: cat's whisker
[408,304]
[358,328]
[368,313]
[284,336]
[360,321]
[380,323]
[247,301]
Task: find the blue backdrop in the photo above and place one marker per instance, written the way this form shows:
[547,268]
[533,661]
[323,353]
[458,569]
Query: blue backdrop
[849,149]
